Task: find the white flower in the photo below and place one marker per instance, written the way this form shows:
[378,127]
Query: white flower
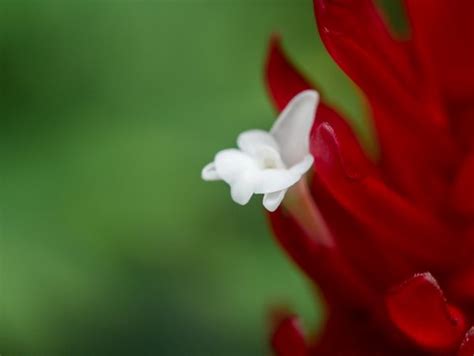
[269,162]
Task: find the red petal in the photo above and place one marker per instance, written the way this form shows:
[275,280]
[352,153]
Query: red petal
[301,248]
[282,78]
[324,265]
[349,335]
[463,126]
[444,38]
[461,286]
[355,163]
[359,41]
[461,283]
[418,308]
[284,82]
[463,188]
[288,338]
[417,160]
[356,242]
[467,346]
[353,238]
[409,125]
[351,180]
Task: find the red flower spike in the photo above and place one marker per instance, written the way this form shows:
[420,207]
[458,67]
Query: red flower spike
[358,40]
[355,243]
[344,336]
[322,264]
[384,212]
[282,78]
[443,36]
[284,81]
[444,39]
[288,339]
[410,212]
[467,346]
[418,308]
[350,159]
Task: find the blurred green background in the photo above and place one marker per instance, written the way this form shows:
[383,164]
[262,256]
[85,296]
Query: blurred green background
[109,241]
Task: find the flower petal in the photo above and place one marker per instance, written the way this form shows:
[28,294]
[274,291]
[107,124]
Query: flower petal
[231,164]
[282,78]
[271,201]
[288,339]
[292,128]
[274,180]
[335,195]
[209,172]
[242,190]
[463,125]
[461,283]
[417,159]
[346,336]
[410,126]
[324,265]
[250,141]
[268,158]
[303,166]
[419,309]
[401,226]
[444,39]
[360,42]
[356,242]
[467,346]
[463,188]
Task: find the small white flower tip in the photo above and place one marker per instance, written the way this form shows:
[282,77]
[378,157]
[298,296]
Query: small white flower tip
[209,172]
[303,166]
[292,128]
[309,95]
[271,201]
[241,192]
[313,93]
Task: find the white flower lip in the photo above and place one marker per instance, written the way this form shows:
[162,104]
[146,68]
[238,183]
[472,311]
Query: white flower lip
[269,162]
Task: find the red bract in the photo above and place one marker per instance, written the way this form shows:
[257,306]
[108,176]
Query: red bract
[399,279]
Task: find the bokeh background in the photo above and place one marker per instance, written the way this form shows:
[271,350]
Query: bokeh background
[109,241]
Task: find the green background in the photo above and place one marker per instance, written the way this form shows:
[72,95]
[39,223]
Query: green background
[109,241]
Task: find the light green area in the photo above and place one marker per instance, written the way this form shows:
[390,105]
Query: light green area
[110,243]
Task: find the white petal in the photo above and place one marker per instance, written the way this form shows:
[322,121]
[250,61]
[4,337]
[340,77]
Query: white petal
[293,126]
[250,141]
[271,201]
[209,172]
[241,191]
[232,163]
[272,180]
[268,158]
[303,166]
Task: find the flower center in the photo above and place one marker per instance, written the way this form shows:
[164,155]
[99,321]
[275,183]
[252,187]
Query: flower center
[269,162]
[269,158]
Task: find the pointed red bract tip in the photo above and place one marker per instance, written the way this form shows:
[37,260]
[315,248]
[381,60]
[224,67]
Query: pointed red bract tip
[467,346]
[337,144]
[288,338]
[282,78]
[419,309]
